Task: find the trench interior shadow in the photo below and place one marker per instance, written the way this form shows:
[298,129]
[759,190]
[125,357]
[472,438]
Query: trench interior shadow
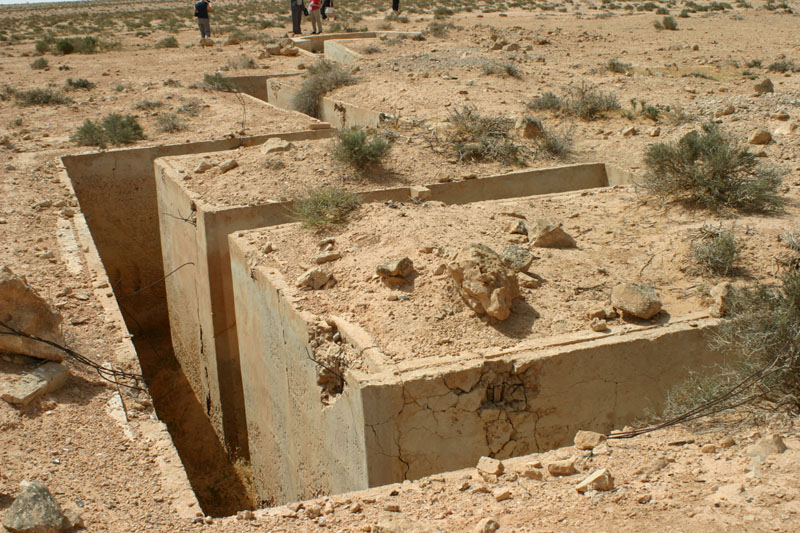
[661,319]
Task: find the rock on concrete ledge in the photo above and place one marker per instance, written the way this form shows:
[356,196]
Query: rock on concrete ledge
[23,390]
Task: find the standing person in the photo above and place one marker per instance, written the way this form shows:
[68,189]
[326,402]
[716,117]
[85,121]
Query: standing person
[327,4]
[316,16]
[201,10]
[297,15]
[396,6]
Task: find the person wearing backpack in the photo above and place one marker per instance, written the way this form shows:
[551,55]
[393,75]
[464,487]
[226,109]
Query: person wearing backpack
[201,10]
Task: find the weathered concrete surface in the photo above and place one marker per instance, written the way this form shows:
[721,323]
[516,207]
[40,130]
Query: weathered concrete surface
[436,414]
[256,85]
[337,113]
[316,43]
[341,53]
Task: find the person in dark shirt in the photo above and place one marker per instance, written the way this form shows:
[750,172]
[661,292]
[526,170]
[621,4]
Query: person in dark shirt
[201,10]
[297,7]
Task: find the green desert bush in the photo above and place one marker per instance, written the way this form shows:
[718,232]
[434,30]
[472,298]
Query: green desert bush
[89,134]
[324,206]
[360,148]
[36,97]
[148,105]
[168,42]
[439,29]
[113,129]
[79,83]
[614,65]
[548,101]
[783,65]
[39,64]
[218,82]
[322,78]
[501,68]
[716,251]
[76,45]
[709,169]
[669,23]
[555,143]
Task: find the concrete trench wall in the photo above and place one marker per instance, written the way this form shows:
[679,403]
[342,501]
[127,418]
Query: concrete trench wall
[256,85]
[200,296]
[417,418]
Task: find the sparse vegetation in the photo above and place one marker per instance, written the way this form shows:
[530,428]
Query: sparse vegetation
[324,206]
[359,148]
[242,62]
[323,77]
[505,69]
[218,82]
[34,97]
[89,134]
[77,45]
[170,123]
[618,67]
[555,143]
[439,29]
[581,101]
[715,251]
[476,138]
[79,83]
[39,64]
[783,65]
[148,105]
[168,42]
[709,169]
[669,23]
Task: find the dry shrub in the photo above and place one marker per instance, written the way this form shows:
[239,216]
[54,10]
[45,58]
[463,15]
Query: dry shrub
[323,77]
[324,206]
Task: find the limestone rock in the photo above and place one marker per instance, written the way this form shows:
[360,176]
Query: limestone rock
[721,293]
[501,494]
[599,480]
[551,236]
[202,167]
[490,466]
[655,132]
[630,131]
[484,283]
[46,378]
[314,278]
[528,128]
[564,467]
[725,111]
[605,312]
[231,41]
[636,299]
[759,137]
[225,166]
[487,525]
[398,523]
[516,258]
[273,49]
[276,145]
[763,87]
[786,128]
[24,310]
[517,227]
[588,440]
[35,511]
[598,324]
[326,257]
[396,268]
[206,42]
[769,445]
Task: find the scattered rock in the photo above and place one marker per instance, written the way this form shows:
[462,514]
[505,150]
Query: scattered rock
[727,492]
[588,440]
[516,258]
[708,448]
[532,471]
[598,324]
[490,466]
[551,236]
[636,299]
[47,378]
[398,523]
[35,511]
[721,293]
[24,310]
[517,227]
[655,132]
[326,257]
[274,145]
[231,41]
[766,446]
[225,166]
[396,268]
[501,494]
[565,467]
[529,128]
[759,137]
[483,281]
[725,111]
[780,115]
[206,42]
[600,480]
[763,87]
[202,167]
[605,312]
[487,525]
[314,278]
[630,131]
[727,442]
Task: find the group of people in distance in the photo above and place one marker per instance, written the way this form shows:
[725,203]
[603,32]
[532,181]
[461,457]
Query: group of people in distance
[320,9]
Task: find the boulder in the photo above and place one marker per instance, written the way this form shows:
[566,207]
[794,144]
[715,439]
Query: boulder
[396,268]
[516,258]
[24,310]
[565,467]
[548,235]
[35,511]
[483,282]
[225,166]
[636,300]
[490,466]
[763,87]
[759,137]
[487,525]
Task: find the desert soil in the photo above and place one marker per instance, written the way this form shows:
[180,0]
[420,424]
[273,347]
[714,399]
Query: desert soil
[69,442]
